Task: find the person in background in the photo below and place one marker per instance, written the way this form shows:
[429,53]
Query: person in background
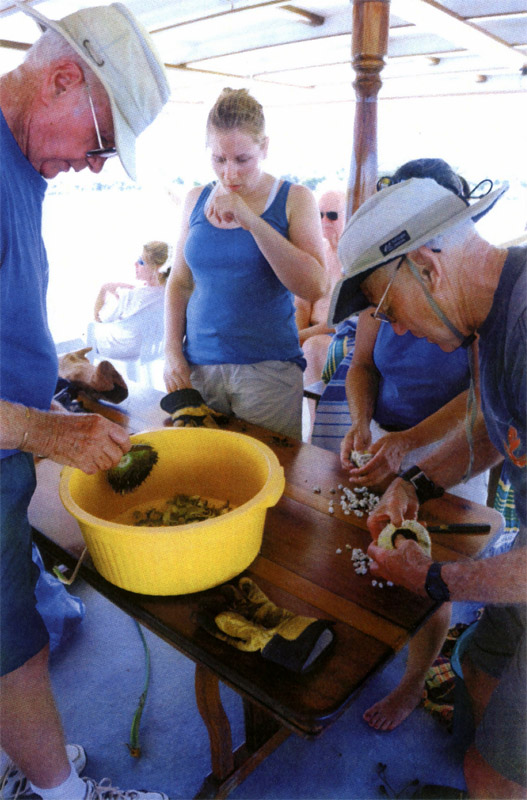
[118,307]
[311,317]
[249,242]
[89,85]
[412,252]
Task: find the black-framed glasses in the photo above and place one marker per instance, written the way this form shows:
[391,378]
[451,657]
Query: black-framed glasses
[331,215]
[98,152]
[378,314]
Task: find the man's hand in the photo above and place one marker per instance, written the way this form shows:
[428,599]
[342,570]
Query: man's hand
[406,565]
[399,502]
[86,441]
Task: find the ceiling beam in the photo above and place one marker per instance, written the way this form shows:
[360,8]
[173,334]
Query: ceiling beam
[8,45]
[446,23]
[310,17]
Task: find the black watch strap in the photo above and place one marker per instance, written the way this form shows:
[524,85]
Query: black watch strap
[435,586]
[424,487]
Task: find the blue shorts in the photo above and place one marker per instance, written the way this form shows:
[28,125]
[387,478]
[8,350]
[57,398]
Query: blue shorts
[22,631]
[498,647]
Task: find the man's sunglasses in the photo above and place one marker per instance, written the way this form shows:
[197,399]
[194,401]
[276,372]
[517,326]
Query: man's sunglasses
[331,215]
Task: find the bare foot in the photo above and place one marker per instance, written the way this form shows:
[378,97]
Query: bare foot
[393,709]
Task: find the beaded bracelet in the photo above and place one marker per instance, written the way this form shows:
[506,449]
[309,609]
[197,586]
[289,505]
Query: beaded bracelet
[26,433]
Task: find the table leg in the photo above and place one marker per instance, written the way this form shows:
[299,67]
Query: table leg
[263,734]
[213,714]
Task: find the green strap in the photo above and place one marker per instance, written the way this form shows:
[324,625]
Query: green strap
[438,310]
[134,746]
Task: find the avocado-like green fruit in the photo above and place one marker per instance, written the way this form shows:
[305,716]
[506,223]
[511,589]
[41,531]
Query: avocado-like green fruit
[133,468]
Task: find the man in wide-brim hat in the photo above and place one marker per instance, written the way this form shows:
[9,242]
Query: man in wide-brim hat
[86,89]
[412,252]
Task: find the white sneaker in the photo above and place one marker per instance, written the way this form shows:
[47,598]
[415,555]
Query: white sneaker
[104,791]
[15,786]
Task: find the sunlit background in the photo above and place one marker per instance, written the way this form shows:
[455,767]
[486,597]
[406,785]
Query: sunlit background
[95,226]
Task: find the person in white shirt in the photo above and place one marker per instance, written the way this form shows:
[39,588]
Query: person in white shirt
[119,322]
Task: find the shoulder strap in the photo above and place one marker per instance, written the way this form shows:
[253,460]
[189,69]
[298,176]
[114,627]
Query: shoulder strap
[272,194]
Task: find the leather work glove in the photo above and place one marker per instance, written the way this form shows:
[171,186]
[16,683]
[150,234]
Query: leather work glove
[251,622]
[188,409]
[100,382]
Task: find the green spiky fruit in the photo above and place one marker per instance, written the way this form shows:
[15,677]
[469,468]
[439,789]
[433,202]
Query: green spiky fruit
[133,468]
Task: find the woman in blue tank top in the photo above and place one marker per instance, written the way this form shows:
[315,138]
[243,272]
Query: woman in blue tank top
[248,244]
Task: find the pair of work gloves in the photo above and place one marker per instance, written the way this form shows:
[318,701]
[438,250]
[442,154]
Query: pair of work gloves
[188,409]
[246,619]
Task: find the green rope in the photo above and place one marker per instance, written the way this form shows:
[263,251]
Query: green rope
[133,745]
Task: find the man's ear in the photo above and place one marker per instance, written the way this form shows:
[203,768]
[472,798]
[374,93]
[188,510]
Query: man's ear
[429,264]
[62,76]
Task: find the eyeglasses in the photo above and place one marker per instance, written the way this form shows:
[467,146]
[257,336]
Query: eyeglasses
[100,152]
[378,314]
[331,215]
[141,262]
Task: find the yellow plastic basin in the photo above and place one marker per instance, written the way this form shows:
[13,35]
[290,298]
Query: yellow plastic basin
[183,558]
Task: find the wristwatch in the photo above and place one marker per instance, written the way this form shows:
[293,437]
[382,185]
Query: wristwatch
[424,487]
[435,586]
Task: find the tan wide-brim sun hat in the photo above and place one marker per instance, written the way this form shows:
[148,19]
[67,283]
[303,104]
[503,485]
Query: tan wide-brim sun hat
[114,44]
[390,224]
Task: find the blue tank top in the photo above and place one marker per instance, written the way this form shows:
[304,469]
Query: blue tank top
[417,377]
[239,311]
[28,363]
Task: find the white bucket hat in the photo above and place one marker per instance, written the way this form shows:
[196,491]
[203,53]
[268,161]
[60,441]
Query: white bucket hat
[389,224]
[121,54]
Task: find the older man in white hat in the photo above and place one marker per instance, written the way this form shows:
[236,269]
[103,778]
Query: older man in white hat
[87,88]
[413,253]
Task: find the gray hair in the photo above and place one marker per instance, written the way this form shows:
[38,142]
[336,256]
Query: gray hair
[50,47]
[453,237]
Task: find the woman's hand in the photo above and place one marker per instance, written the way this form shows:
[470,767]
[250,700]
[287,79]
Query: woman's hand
[399,502]
[176,373]
[231,208]
[357,438]
[113,286]
[388,453]
[86,441]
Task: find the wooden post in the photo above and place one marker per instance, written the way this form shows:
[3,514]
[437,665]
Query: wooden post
[371,24]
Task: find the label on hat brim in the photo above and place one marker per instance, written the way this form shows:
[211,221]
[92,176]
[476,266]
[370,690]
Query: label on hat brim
[395,242]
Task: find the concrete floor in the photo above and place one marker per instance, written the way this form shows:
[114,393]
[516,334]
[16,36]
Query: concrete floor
[98,676]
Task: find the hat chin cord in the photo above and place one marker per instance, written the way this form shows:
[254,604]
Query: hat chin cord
[468,343]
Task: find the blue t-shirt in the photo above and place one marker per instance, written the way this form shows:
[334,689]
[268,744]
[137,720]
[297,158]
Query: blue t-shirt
[28,360]
[416,377]
[239,311]
[503,356]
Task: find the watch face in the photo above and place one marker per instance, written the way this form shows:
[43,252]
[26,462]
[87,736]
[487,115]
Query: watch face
[435,586]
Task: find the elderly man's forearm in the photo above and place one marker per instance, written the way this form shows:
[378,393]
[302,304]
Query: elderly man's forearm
[500,579]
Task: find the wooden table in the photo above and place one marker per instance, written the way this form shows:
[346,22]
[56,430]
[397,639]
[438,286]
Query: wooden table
[300,568]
